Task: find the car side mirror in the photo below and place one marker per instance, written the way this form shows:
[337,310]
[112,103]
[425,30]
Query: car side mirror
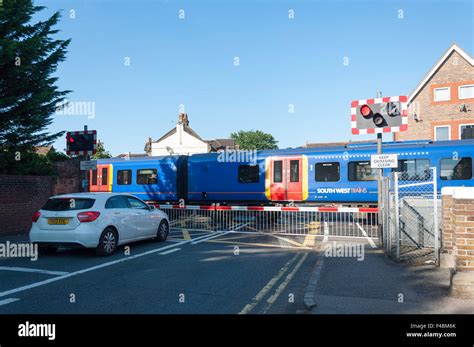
[152,207]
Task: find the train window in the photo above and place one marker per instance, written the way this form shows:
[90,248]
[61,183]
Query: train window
[94,177]
[361,171]
[294,170]
[104,176]
[327,172]
[278,171]
[124,177]
[248,173]
[147,176]
[456,169]
[414,169]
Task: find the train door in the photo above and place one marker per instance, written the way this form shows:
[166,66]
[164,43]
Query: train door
[101,179]
[287,178]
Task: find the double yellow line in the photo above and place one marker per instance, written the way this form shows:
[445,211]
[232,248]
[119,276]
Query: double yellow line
[268,287]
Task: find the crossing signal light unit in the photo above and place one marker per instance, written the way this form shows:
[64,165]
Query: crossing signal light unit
[380,115]
[81,142]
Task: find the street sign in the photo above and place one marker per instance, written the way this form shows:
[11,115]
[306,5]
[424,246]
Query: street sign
[383,161]
[87,165]
[81,142]
[379,115]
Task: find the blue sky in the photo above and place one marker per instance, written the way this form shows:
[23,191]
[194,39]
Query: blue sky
[283,61]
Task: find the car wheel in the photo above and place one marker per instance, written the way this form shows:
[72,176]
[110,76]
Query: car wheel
[108,242]
[45,250]
[163,231]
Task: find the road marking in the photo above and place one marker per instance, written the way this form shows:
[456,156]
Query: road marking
[8,301]
[287,240]
[172,250]
[372,243]
[258,244]
[255,301]
[272,299]
[186,235]
[203,239]
[93,268]
[24,269]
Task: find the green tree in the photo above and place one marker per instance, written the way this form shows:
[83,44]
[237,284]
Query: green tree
[101,152]
[254,139]
[29,55]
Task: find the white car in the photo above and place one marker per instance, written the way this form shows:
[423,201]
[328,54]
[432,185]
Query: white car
[96,220]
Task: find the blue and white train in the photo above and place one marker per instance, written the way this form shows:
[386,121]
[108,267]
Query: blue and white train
[313,176]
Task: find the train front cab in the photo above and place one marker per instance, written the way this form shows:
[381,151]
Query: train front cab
[100,180]
[286,178]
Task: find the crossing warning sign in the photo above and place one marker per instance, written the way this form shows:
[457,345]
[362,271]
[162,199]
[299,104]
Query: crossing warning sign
[382,161]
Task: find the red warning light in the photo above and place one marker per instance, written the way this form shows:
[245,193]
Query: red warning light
[365,110]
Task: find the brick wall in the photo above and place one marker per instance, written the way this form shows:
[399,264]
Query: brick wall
[458,226]
[448,224]
[21,196]
[453,72]
[464,233]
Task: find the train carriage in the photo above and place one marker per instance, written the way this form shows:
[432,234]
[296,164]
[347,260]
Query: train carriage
[301,175]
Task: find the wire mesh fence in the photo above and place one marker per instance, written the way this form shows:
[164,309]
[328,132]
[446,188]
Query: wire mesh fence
[412,214]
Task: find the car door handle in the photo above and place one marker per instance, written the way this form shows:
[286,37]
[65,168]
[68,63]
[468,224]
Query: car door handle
[116,212]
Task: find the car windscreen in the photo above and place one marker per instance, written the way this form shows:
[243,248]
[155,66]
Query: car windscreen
[68,204]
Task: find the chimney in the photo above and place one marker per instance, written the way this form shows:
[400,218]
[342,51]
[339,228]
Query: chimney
[183,119]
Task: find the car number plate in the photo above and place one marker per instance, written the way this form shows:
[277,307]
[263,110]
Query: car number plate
[58,221]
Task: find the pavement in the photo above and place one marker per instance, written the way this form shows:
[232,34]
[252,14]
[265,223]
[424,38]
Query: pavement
[379,285]
[223,273]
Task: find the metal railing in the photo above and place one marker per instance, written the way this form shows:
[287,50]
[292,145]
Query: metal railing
[323,221]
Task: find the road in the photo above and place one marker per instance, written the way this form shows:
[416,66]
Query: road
[191,273]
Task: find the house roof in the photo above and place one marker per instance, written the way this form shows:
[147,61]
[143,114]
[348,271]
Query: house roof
[186,128]
[131,155]
[43,150]
[218,144]
[451,49]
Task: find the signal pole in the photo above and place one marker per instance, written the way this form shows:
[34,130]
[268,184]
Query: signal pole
[379,187]
[85,181]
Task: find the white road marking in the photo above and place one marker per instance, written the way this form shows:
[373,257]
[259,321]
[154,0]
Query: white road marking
[372,243]
[8,301]
[170,251]
[207,237]
[40,271]
[83,271]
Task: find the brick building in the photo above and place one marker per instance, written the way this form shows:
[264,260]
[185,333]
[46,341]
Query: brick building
[441,107]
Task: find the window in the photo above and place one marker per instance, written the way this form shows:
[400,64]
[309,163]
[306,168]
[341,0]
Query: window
[327,172]
[104,176]
[361,171]
[94,177]
[456,169]
[248,173]
[466,131]
[147,176]
[68,204]
[294,170]
[466,92]
[278,171]
[124,177]
[442,133]
[414,169]
[442,94]
[116,202]
[137,204]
